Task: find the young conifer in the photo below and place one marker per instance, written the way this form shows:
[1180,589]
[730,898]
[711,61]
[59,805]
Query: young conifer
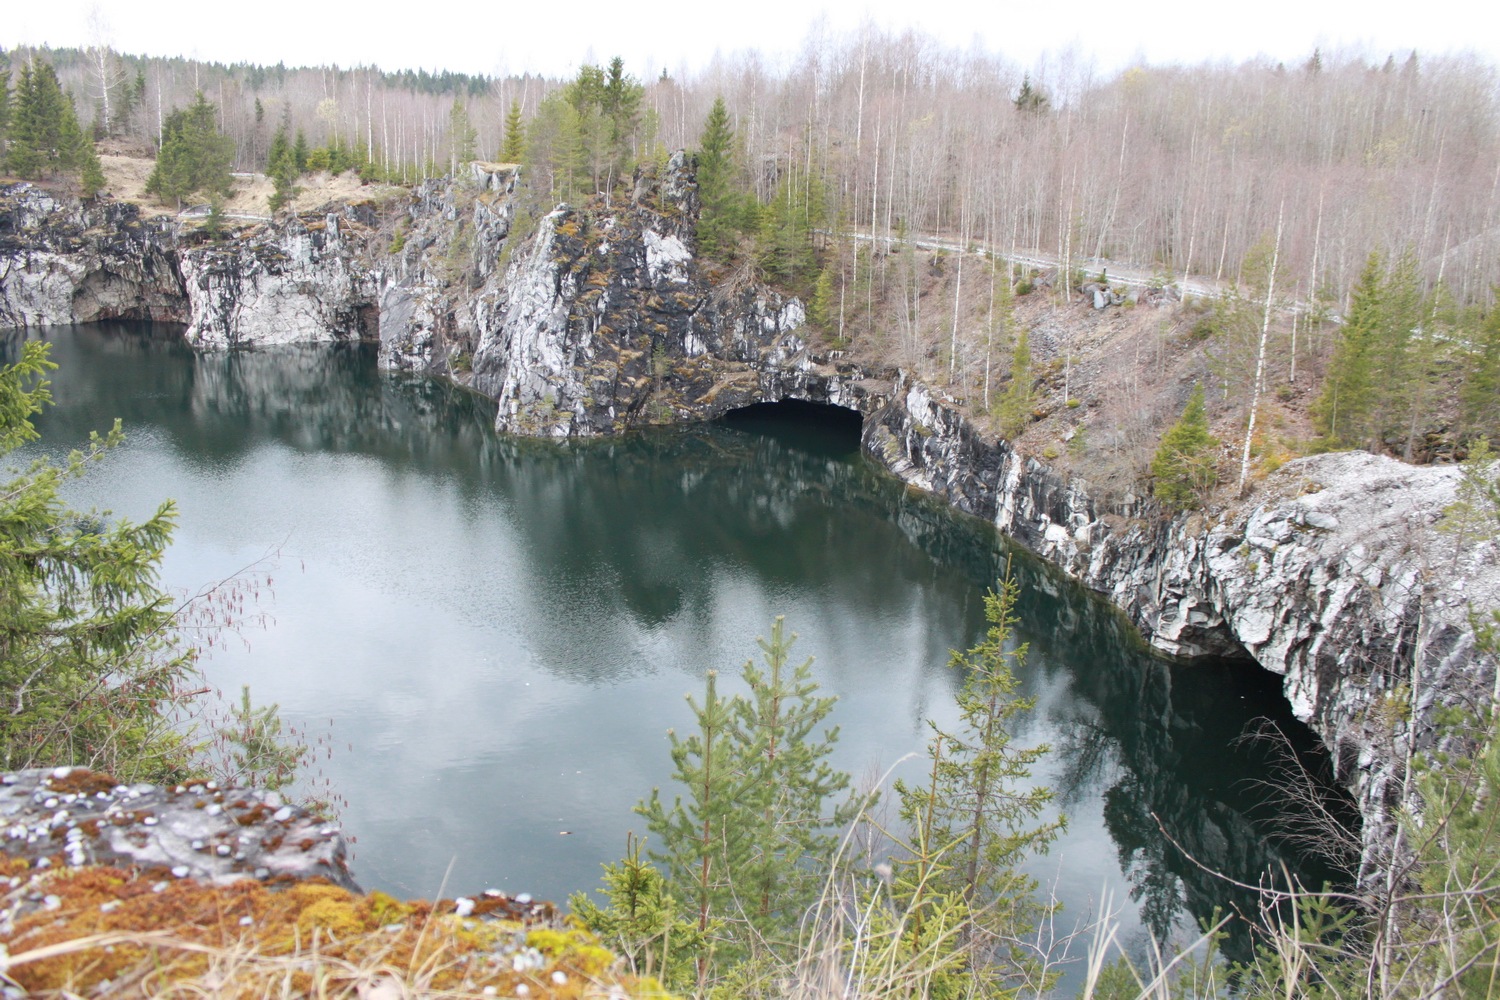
[702,833]
[1016,403]
[789,788]
[977,819]
[643,922]
[719,218]
[1479,396]
[283,170]
[1344,412]
[1185,467]
[514,147]
[745,845]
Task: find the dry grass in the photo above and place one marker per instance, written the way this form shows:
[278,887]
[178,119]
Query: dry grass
[126,174]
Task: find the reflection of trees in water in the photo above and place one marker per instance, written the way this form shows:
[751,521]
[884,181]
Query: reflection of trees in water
[1164,741]
[218,406]
[662,518]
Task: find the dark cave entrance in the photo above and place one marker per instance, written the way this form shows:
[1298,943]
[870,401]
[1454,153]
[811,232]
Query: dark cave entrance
[1278,772]
[821,428]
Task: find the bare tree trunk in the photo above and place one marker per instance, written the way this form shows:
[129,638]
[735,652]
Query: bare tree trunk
[1260,357]
[958,288]
[1312,285]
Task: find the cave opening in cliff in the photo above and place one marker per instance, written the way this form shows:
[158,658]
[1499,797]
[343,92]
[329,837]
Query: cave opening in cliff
[818,427]
[1287,778]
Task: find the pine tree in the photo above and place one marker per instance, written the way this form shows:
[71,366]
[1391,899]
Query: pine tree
[1399,370]
[1185,467]
[621,105]
[4,102]
[746,843]
[1475,510]
[72,141]
[571,155]
[87,660]
[701,836]
[789,784]
[283,170]
[45,136]
[1344,410]
[194,156]
[643,921]
[784,247]
[514,148]
[716,188]
[1479,395]
[1016,404]
[821,312]
[300,152]
[21,156]
[1029,99]
[35,143]
[90,172]
[133,97]
[975,822]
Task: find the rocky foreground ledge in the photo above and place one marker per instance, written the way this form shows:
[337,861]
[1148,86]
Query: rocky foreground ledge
[113,889]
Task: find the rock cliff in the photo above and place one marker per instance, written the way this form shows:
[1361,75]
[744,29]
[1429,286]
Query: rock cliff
[61,263]
[589,320]
[1334,576]
[299,282]
[583,321]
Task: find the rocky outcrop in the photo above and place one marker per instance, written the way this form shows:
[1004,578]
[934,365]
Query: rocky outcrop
[585,321]
[1335,576]
[76,817]
[299,282]
[124,889]
[302,280]
[62,263]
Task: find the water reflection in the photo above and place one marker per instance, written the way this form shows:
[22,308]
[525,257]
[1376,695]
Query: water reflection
[503,629]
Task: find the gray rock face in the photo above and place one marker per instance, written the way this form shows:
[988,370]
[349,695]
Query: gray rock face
[61,263]
[290,284]
[585,321]
[74,816]
[1337,578]
[295,282]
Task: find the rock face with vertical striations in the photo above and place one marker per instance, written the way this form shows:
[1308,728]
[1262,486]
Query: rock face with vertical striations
[299,282]
[62,263]
[583,321]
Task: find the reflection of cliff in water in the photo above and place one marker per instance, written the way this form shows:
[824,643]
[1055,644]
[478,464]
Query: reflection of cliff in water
[668,519]
[307,397]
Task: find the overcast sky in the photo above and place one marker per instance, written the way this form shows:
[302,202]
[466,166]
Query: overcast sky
[500,36]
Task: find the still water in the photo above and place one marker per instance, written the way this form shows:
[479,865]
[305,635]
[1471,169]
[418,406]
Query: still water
[489,638]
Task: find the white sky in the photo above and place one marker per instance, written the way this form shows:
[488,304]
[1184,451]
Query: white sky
[554,37]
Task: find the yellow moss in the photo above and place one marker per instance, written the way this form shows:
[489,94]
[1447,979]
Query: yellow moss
[331,916]
[385,909]
[252,940]
[572,947]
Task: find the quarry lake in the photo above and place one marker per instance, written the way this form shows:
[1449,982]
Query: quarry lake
[488,638]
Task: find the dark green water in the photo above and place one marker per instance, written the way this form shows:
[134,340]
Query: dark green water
[493,636]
